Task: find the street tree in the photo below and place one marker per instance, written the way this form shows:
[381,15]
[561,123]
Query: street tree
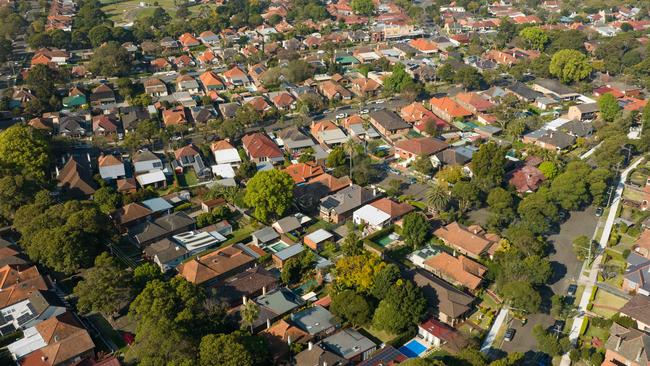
[522,295]
[584,247]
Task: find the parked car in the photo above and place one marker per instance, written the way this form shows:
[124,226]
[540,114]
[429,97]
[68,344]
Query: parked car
[510,335]
[571,291]
[558,327]
[341,115]
[364,111]
[599,211]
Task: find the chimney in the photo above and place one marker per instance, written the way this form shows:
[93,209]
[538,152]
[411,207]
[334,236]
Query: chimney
[243,300]
[289,339]
[263,290]
[268,323]
[177,248]
[310,346]
[619,341]
[638,355]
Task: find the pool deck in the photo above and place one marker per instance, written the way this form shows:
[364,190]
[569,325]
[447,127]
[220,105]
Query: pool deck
[415,348]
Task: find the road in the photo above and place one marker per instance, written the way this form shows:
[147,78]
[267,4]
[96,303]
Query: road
[590,280]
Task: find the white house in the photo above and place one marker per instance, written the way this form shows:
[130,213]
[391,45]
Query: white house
[371,216]
[435,332]
[40,306]
[146,161]
[225,153]
[110,167]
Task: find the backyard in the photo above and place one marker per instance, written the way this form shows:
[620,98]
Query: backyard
[187,179]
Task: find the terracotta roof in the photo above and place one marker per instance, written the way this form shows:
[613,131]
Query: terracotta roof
[65,339]
[317,127]
[302,172]
[235,72]
[187,39]
[283,100]
[221,145]
[175,116]
[209,78]
[472,240]
[259,145]
[423,45]
[131,212]
[481,104]
[449,106]
[18,282]
[415,112]
[126,184]
[462,269]
[74,177]
[217,263]
[187,150]
[108,160]
[422,146]
[392,208]
[527,179]
[331,182]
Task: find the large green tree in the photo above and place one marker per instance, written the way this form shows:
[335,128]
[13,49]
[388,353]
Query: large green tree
[570,66]
[501,205]
[522,296]
[223,350]
[270,193]
[363,7]
[534,37]
[608,106]
[105,288]
[488,166]
[15,191]
[110,59]
[351,307]
[402,308]
[25,150]
[415,229]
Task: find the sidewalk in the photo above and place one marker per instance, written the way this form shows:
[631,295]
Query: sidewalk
[498,322]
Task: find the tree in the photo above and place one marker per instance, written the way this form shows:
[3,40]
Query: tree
[106,287]
[65,236]
[423,165]
[469,77]
[538,211]
[549,169]
[501,206]
[569,66]
[403,307]
[291,271]
[466,194]
[561,308]
[6,50]
[450,174]
[569,189]
[415,229]
[584,247]
[249,312]
[223,350]
[352,244]
[437,198]
[24,150]
[398,81]
[270,193]
[549,343]
[488,166]
[384,280]
[608,106]
[99,34]
[363,7]
[357,272]
[15,191]
[336,158]
[110,59]
[107,199]
[351,307]
[145,273]
[535,37]
[522,295]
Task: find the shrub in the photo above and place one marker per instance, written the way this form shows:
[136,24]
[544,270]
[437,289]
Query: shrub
[626,253]
[593,293]
[590,306]
[584,326]
[183,207]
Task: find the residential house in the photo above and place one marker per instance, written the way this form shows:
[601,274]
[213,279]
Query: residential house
[17,283]
[471,241]
[50,56]
[316,321]
[459,271]
[102,95]
[626,347]
[76,179]
[131,214]
[216,266]
[260,148]
[438,334]
[202,114]
[160,64]
[412,149]
[637,275]
[418,115]
[166,254]
[162,227]
[380,213]
[473,102]
[274,305]
[455,156]
[318,355]
[328,133]
[555,89]
[303,172]
[174,116]
[73,126]
[211,81]
[132,116]
[105,125]
[209,38]
[332,90]
[294,141]
[188,40]
[584,112]
[423,45]
[523,92]
[38,306]
[281,257]
[59,341]
[526,178]
[549,139]
[446,302]
[364,87]
[638,308]
[287,225]
[225,153]
[189,156]
[235,77]
[279,337]
[186,83]
[283,101]
[448,109]
[265,236]
[250,283]
[316,240]
[339,206]
[111,167]
[146,161]
[388,123]
[357,126]
[388,355]
[350,345]
[155,87]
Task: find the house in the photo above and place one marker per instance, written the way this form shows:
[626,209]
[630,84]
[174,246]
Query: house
[448,109]
[188,40]
[339,206]
[189,157]
[50,56]
[473,102]
[283,101]
[321,186]
[316,240]
[455,156]
[105,125]
[280,336]
[59,341]
[437,333]
[281,257]
[76,179]
[471,241]
[583,112]
[446,302]
[303,172]
[274,305]
[526,178]
[209,38]
[523,92]
[388,123]
[166,254]
[236,77]
[332,90]
[146,161]
[287,225]
[160,64]
[155,87]
[315,321]
[626,347]
[328,133]
[131,214]
[364,87]
[459,271]
[225,153]
[294,140]
[250,283]
[380,213]
[17,283]
[357,126]
[637,275]
[202,114]
[260,148]
[164,226]
[349,344]
[216,266]
[318,355]
[111,167]
[424,45]
[555,89]
[186,83]
[638,308]
[174,116]
[387,355]
[412,149]
[549,139]
[102,95]
[211,81]
[264,236]
[39,306]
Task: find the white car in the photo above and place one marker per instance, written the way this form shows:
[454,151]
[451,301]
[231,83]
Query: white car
[341,115]
[364,111]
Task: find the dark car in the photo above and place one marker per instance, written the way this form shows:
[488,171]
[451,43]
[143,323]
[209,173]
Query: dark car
[510,334]
[571,291]
[558,327]
[599,212]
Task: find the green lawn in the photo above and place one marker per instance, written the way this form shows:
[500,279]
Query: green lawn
[129,10]
[611,301]
[380,334]
[187,179]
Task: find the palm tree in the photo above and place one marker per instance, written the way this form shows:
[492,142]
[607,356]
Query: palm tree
[437,198]
[249,313]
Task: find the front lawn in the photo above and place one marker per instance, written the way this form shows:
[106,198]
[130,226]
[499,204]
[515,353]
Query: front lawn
[606,304]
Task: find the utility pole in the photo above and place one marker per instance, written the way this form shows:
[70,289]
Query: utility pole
[609,199]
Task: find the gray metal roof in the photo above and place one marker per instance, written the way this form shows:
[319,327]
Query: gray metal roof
[314,320]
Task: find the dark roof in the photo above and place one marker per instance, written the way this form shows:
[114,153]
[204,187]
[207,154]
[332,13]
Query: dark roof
[76,179]
[442,295]
[524,91]
[389,120]
[638,308]
[246,283]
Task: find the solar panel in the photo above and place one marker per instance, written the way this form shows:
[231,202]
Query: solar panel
[24,318]
[7,329]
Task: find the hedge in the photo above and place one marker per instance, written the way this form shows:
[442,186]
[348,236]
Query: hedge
[593,293]
[585,324]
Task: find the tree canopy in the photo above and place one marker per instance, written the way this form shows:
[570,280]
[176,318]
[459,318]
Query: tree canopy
[106,287]
[488,165]
[110,59]
[570,66]
[415,229]
[270,193]
[25,150]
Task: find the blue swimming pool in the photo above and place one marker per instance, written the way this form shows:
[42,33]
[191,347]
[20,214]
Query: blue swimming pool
[413,349]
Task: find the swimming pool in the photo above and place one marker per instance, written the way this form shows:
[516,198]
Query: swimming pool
[278,246]
[413,349]
[386,240]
